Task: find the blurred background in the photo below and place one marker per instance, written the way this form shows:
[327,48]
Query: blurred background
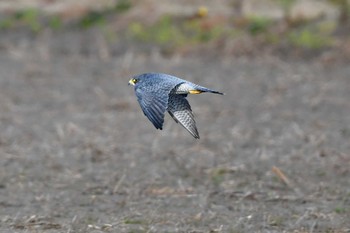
[78,155]
[281,27]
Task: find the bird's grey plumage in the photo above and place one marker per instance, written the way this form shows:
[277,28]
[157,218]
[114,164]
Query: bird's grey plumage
[157,93]
[153,106]
[184,88]
[153,97]
[180,110]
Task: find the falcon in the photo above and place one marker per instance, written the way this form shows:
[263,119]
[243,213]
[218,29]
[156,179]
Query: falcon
[157,93]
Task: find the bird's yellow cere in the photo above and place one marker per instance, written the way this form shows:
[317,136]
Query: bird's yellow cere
[132,81]
[195,92]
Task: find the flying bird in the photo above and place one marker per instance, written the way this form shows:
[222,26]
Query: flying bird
[157,93]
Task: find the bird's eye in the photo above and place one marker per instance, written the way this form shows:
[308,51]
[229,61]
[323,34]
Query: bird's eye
[135,80]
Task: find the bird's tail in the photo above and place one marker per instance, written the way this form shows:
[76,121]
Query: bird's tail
[204,89]
[216,92]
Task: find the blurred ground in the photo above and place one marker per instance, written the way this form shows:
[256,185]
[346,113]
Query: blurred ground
[78,155]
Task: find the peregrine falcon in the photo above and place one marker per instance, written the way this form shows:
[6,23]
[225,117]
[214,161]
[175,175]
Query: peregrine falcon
[157,93]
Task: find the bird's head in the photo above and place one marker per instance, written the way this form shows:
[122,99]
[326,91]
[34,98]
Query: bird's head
[140,78]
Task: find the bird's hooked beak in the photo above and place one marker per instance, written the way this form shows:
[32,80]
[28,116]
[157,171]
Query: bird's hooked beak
[131,82]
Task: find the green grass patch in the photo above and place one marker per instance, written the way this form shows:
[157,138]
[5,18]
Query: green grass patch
[310,39]
[7,23]
[122,6]
[316,36]
[31,19]
[197,31]
[258,25]
[93,18]
[100,18]
[171,32]
[55,22]
[313,36]
[164,32]
[340,210]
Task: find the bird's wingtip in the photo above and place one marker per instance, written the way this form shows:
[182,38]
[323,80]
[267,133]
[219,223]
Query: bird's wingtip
[195,134]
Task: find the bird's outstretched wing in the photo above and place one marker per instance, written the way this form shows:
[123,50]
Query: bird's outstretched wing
[153,106]
[180,110]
